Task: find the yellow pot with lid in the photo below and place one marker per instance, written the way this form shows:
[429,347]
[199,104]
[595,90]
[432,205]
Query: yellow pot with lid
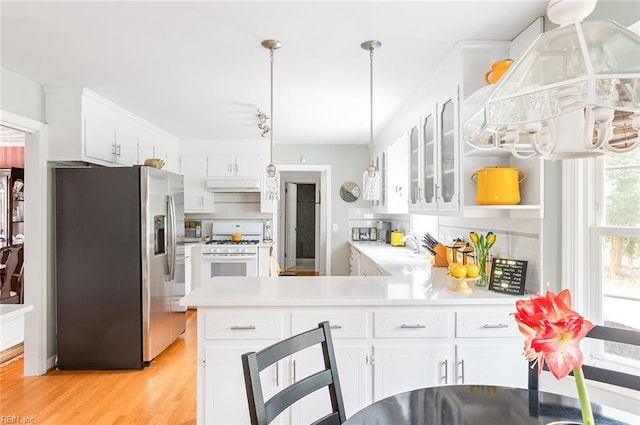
[498,185]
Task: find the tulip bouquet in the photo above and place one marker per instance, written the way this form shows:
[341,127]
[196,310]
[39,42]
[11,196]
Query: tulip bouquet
[482,244]
[553,333]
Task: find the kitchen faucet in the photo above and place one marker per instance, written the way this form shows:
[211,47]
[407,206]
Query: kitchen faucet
[414,239]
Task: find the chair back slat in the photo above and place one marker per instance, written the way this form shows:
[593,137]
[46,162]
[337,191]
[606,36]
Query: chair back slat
[600,374]
[289,346]
[263,412]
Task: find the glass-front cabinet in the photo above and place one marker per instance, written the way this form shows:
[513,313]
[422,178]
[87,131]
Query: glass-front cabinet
[434,160]
[415,195]
[448,192]
[4,207]
[11,206]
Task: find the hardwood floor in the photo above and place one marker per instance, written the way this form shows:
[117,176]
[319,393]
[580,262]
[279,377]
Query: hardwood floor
[162,393]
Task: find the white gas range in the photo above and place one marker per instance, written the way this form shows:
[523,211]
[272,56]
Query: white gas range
[222,256]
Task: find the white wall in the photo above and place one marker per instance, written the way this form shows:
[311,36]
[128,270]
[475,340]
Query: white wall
[347,162]
[21,96]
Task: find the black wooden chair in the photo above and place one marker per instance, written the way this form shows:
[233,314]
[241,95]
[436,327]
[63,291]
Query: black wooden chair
[593,373]
[263,412]
[11,287]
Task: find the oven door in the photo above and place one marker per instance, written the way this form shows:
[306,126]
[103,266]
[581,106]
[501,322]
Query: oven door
[214,265]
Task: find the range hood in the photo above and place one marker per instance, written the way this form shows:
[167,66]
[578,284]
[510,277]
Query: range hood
[233,185]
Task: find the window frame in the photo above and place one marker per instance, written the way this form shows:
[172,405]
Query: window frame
[592,292]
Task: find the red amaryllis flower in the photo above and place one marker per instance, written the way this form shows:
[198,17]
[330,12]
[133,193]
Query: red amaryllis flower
[553,331]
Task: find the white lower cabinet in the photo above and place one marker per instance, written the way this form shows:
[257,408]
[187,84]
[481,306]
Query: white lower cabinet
[488,363]
[224,376]
[224,335]
[352,371]
[380,351]
[398,368]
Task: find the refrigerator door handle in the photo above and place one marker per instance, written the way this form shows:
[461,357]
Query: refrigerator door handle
[171,257]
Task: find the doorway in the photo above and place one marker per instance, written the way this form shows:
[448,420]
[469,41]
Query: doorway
[301,228]
[303,214]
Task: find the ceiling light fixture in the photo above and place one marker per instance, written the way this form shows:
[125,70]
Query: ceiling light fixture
[371,177]
[262,123]
[271,179]
[575,93]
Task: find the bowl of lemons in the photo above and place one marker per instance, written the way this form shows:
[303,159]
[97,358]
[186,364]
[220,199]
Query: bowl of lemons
[463,273]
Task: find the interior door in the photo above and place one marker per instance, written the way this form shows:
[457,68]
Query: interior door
[290,218]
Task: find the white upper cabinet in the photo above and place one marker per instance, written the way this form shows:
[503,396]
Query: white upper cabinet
[84,126]
[391,162]
[230,165]
[196,197]
[439,163]
[434,159]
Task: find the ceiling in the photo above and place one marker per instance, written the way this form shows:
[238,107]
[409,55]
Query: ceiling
[197,69]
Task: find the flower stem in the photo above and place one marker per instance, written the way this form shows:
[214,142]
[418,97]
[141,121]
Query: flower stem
[585,405]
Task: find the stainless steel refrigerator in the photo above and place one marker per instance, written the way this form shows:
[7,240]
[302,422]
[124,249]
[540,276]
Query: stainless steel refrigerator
[119,234]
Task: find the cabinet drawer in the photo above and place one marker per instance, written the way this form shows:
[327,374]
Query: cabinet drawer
[490,323]
[243,325]
[344,324]
[410,324]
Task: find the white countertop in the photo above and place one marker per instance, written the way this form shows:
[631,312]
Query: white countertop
[419,289]
[10,311]
[412,281]
[395,260]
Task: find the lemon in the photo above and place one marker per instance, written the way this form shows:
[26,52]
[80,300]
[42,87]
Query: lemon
[458,270]
[473,270]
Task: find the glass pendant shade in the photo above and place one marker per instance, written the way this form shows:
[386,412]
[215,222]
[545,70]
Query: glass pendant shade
[271,176]
[371,183]
[575,93]
[271,183]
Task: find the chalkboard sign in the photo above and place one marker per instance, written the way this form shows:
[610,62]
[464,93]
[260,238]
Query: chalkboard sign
[508,276]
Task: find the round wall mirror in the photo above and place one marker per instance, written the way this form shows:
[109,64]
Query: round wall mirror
[349,191]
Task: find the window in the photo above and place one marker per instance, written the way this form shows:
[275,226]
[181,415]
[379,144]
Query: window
[614,279]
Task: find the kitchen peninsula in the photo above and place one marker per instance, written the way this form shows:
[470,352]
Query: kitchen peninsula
[391,334]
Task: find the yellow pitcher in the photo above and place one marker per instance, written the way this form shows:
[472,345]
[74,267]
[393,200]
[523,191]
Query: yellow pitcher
[497,69]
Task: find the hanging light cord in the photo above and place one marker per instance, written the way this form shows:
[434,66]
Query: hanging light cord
[371,107]
[271,106]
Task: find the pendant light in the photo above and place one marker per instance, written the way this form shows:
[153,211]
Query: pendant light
[271,177]
[371,176]
[575,93]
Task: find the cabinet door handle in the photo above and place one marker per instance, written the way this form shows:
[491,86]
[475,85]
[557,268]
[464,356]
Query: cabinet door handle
[497,326]
[277,372]
[335,327]
[417,326]
[243,328]
[445,378]
[461,377]
[294,371]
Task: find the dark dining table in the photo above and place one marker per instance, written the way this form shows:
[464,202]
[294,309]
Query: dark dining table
[483,405]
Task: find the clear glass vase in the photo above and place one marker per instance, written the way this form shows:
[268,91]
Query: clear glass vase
[481,261]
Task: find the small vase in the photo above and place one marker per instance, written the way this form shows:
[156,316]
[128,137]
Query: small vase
[481,258]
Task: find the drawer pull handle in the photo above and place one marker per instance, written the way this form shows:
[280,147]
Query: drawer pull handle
[335,327]
[418,326]
[445,378]
[243,328]
[498,326]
